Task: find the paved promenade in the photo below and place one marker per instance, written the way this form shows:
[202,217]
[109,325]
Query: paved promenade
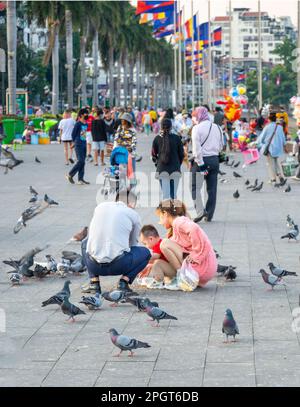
[40,349]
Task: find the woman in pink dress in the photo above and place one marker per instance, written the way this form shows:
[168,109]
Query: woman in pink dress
[187,241]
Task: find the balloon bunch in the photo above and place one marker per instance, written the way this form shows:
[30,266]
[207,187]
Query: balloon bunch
[232,109]
[295,100]
[239,94]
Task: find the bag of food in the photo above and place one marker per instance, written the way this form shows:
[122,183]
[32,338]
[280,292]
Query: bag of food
[187,277]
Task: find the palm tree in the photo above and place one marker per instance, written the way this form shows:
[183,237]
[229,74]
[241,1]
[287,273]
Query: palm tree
[69,52]
[12,55]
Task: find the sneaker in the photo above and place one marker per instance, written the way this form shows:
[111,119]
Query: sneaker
[200,217]
[70,179]
[83,182]
[155,285]
[90,288]
[71,160]
[296,178]
[173,285]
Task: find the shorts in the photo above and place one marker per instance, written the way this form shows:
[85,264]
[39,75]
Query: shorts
[89,138]
[67,141]
[99,145]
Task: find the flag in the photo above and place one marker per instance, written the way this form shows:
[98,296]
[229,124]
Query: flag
[154,6]
[190,28]
[241,77]
[147,17]
[216,35]
[167,21]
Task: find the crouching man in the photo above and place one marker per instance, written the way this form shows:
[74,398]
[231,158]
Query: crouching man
[112,244]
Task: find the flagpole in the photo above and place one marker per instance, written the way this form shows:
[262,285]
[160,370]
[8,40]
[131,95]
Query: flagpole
[298,41]
[179,62]
[199,75]
[193,64]
[175,54]
[260,97]
[209,58]
[184,65]
[230,46]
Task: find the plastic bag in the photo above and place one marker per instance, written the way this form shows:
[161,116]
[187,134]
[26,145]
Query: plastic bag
[187,277]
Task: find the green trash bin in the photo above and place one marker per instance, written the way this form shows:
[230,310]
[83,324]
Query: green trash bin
[9,126]
[20,127]
[37,121]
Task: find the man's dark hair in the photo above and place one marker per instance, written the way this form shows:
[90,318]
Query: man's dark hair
[99,111]
[149,231]
[272,117]
[82,112]
[126,196]
[218,109]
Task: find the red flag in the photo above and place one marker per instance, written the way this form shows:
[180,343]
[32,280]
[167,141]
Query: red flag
[154,6]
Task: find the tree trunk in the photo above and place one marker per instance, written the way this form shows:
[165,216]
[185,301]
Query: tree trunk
[118,91]
[131,67]
[142,104]
[96,71]
[148,89]
[82,69]
[12,55]
[138,80]
[55,71]
[111,76]
[69,51]
[125,84]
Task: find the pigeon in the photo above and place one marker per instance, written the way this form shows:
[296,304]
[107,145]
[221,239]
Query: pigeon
[58,297]
[71,256]
[32,191]
[279,272]
[77,266]
[40,271]
[230,165]
[236,175]
[37,160]
[223,181]
[289,222]
[33,199]
[70,309]
[293,234]
[51,263]
[92,302]
[230,274]
[30,213]
[281,183]
[76,263]
[117,296]
[158,314]
[63,268]
[125,343]
[15,278]
[222,269]
[259,187]
[8,160]
[288,189]
[49,200]
[237,164]
[80,235]
[222,173]
[217,254]
[139,158]
[23,265]
[141,303]
[254,185]
[230,327]
[247,182]
[236,194]
[270,279]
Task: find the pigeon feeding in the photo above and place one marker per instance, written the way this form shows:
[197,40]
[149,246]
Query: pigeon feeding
[117,296]
[279,272]
[237,164]
[289,222]
[32,191]
[70,309]
[125,343]
[15,278]
[230,274]
[270,279]
[74,261]
[92,303]
[8,160]
[51,263]
[236,194]
[236,175]
[59,297]
[222,269]
[49,200]
[23,265]
[230,327]
[247,182]
[288,189]
[254,185]
[37,160]
[141,303]
[40,271]
[293,234]
[157,314]
[221,173]
[259,187]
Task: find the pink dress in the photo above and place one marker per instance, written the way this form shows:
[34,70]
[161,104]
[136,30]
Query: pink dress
[194,241]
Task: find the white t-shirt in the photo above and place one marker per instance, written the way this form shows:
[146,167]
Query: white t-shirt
[67,126]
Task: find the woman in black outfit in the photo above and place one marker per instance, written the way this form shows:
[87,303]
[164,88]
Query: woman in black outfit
[168,154]
[99,136]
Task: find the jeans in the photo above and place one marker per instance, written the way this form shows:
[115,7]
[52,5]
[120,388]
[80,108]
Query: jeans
[129,264]
[211,180]
[274,166]
[169,185]
[79,166]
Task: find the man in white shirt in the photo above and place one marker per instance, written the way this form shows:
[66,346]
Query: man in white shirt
[112,246]
[207,143]
[66,126]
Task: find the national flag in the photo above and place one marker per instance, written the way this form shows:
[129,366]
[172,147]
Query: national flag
[154,6]
[167,21]
[147,17]
[190,28]
[216,35]
[241,77]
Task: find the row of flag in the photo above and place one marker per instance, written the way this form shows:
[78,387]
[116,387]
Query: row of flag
[166,21]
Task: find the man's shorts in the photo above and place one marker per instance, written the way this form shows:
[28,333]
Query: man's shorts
[99,145]
[89,138]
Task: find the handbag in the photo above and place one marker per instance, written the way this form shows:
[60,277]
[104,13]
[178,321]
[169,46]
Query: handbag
[266,150]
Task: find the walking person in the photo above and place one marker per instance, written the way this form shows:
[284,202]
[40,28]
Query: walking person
[79,143]
[112,246]
[207,143]
[147,123]
[66,126]
[167,152]
[89,138]
[272,143]
[99,136]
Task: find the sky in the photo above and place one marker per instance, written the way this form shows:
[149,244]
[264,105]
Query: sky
[218,7]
